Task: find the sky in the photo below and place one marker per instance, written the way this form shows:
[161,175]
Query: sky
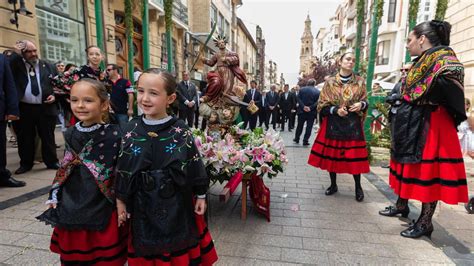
[282,23]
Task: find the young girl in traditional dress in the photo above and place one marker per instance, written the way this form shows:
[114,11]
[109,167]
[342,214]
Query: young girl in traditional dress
[82,203]
[162,182]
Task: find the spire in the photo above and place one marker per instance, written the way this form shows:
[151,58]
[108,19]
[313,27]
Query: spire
[307,28]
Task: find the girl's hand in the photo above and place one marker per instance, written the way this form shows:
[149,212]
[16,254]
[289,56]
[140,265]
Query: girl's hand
[122,212]
[52,205]
[200,206]
[342,111]
[355,107]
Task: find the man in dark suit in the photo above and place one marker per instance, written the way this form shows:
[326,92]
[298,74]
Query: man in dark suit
[252,95]
[37,109]
[307,102]
[262,111]
[8,111]
[295,91]
[272,110]
[187,96]
[287,105]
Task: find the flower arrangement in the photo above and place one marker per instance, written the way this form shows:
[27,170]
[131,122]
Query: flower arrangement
[254,151]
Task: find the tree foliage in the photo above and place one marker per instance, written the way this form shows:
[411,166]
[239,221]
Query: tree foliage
[318,72]
[441,8]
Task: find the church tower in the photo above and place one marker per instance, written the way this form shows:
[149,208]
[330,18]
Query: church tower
[306,53]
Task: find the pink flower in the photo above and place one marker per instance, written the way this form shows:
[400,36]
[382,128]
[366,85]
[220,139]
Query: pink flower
[436,67]
[178,129]
[407,98]
[418,90]
[428,80]
[128,135]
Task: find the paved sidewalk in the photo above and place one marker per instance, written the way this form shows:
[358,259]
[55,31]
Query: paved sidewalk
[306,226]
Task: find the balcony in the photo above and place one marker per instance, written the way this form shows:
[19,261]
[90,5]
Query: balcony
[351,32]
[352,13]
[180,12]
[157,4]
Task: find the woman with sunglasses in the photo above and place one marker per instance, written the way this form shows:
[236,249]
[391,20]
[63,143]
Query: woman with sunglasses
[425,166]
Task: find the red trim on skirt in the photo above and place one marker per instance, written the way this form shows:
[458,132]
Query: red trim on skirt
[203,253]
[338,156]
[441,174]
[108,247]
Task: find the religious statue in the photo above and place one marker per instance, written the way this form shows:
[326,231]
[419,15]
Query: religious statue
[222,93]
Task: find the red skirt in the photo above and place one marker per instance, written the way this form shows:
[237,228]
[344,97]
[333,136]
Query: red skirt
[440,175]
[108,247]
[203,253]
[339,156]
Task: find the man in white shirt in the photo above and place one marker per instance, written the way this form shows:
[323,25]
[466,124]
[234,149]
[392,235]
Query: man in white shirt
[38,113]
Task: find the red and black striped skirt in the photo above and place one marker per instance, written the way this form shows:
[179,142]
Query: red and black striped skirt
[84,247]
[441,174]
[338,156]
[203,253]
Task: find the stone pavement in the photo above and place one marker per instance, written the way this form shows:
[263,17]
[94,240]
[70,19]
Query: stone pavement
[306,226]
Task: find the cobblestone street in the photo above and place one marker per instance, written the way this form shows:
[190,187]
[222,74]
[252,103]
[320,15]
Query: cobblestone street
[306,226]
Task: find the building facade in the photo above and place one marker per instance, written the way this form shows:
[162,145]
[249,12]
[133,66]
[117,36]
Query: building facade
[461,16]
[247,50]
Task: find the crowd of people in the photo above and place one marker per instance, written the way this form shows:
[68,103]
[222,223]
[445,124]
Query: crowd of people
[144,180]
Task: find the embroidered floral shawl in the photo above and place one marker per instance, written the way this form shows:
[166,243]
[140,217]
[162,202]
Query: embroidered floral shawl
[335,93]
[440,60]
[99,155]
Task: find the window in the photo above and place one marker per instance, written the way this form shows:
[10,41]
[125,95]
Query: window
[227,29]
[213,13]
[383,53]
[392,8]
[221,24]
[61,30]
[164,54]
[427,17]
[427,6]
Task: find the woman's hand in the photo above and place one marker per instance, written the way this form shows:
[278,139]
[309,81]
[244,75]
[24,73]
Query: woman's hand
[200,206]
[122,212]
[52,205]
[355,107]
[342,111]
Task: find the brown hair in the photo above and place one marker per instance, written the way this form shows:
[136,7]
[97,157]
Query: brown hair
[170,82]
[101,91]
[93,46]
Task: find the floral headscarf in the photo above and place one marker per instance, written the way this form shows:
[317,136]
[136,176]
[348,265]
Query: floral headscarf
[440,60]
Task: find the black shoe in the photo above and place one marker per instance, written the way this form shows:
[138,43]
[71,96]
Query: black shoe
[54,166]
[11,182]
[296,141]
[417,231]
[391,211]
[305,143]
[359,194]
[331,190]
[22,170]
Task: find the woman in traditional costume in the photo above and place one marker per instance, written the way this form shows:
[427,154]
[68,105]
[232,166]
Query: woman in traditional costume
[82,203]
[426,160]
[63,82]
[340,145]
[162,182]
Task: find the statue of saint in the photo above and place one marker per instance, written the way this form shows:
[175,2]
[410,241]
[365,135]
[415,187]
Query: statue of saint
[221,92]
